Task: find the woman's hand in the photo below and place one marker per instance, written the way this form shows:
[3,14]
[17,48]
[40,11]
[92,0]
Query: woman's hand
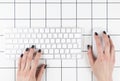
[27,66]
[103,65]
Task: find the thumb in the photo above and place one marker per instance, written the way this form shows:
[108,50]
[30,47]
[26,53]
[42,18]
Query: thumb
[41,71]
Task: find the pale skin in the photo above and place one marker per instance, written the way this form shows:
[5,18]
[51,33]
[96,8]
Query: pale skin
[102,66]
[27,71]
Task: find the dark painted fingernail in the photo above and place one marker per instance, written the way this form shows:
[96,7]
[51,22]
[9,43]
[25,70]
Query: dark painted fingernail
[104,32]
[108,36]
[45,66]
[96,33]
[21,55]
[27,49]
[33,46]
[88,46]
[39,50]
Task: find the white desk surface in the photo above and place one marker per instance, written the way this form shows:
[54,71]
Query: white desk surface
[62,13]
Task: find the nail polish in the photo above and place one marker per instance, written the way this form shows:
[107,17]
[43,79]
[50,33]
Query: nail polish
[45,67]
[96,33]
[104,32]
[108,36]
[27,49]
[88,46]
[21,55]
[33,46]
[39,50]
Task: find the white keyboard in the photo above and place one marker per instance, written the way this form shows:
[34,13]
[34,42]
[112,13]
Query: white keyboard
[55,43]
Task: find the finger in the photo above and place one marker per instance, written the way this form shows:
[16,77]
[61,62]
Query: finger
[41,72]
[29,58]
[19,62]
[35,61]
[90,55]
[23,60]
[112,49]
[98,44]
[107,43]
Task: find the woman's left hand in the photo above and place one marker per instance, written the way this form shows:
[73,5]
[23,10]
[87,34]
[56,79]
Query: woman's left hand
[27,66]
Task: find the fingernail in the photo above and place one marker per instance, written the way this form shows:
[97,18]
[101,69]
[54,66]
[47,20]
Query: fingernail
[104,32]
[45,66]
[39,50]
[96,33]
[108,36]
[88,46]
[33,46]
[21,55]
[27,49]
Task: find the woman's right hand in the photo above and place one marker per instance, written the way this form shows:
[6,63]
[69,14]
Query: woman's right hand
[103,65]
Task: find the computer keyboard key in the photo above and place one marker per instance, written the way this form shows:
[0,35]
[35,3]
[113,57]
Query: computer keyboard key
[51,51]
[57,40]
[68,56]
[53,46]
[68,30]
[59,46]
[38,35]
[57,56]
[41,41]
[19,31]
[44,36]
[36,41]
[47,30]
[67,51]
[61,51]
[74,56]
[77,36]
[70,46]
[65,35]
[22,36]
[56,51]
[63,41]
[47,41]
[74,30]
[75,46]
[71,36]
[63,56]
[46,51]
[64,46]
[53,62]
[48,46]
[68,40]
[60,35]
[63,30]
[33,35]
[41,30]
[47,56]
[52,30]
[36,31]
[57,30]
[27,36]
